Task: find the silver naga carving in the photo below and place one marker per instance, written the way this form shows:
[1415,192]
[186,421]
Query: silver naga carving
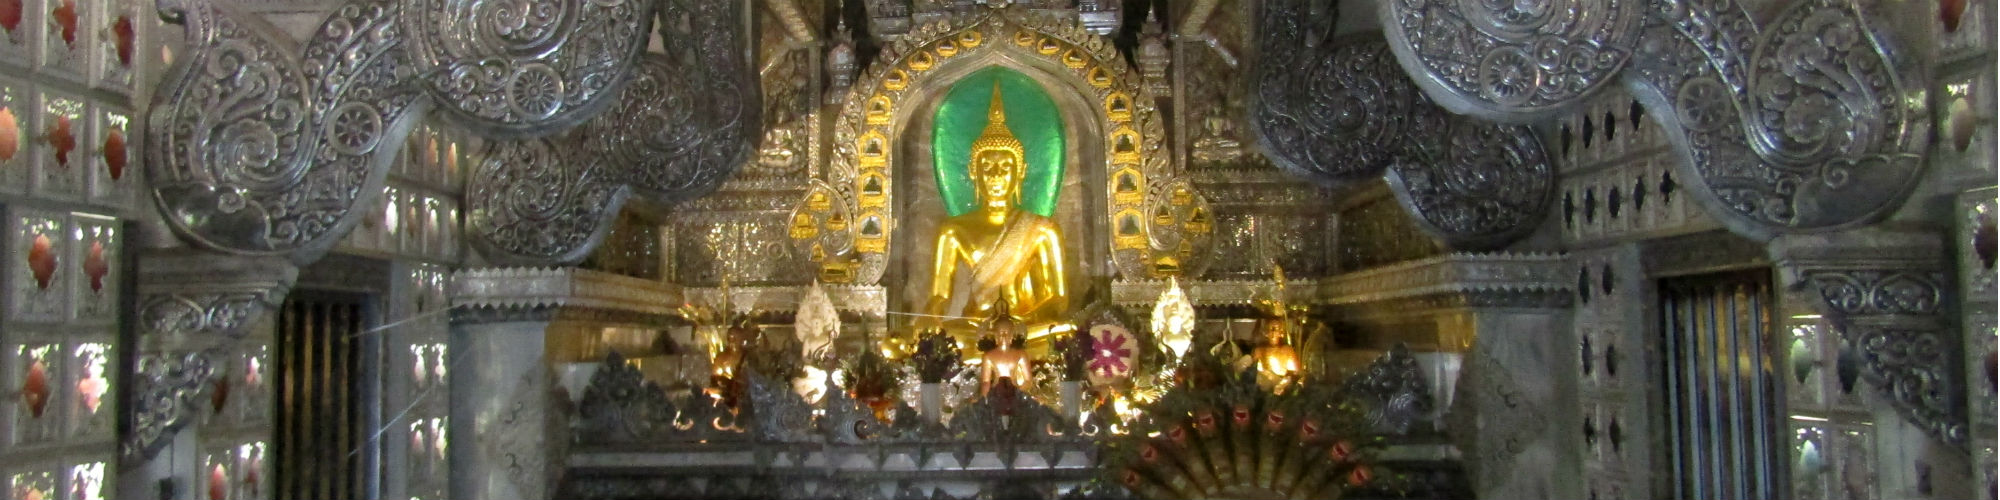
[1812,121]
[523,67]
[255,147]
[683,125]
[1339,111]
[165,392]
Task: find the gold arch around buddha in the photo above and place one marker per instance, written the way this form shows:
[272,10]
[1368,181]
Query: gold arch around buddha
[874,114]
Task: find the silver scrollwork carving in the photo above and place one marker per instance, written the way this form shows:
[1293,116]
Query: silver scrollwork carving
[255,149]
[540,201]
[524,67]
[164,393]
[1892,317]
[1480,186]
[1351,114]
[689,119]
[1512,60]
[1332,110]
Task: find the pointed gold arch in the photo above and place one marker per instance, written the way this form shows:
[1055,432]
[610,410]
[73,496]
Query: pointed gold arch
[878,107]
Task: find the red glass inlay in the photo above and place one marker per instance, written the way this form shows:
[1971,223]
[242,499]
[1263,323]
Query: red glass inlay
[65,17]
[35,391]
[42,260]
[114,154]
[123,39]
[1949,11]
[95,267]
[60,138]
[10,134]
[10,14]
[220,396]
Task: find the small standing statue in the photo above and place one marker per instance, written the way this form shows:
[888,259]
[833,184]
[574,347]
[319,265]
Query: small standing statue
[1005,366]
[726,384]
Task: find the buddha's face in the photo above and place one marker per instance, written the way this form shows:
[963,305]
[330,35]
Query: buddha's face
[994,173]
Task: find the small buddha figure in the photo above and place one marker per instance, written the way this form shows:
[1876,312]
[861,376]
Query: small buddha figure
[726,383]
[998,253]
[780,149]
[1217,143]
[1006,364]
[1277,361]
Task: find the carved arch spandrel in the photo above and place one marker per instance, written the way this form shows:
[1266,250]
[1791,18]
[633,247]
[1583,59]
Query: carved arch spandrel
[876,108]
[1813,121]
[258,148]
[681,127]
[523,68]
[1338,110]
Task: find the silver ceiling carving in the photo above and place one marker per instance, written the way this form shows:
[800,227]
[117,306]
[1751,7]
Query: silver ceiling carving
[1512,60]
[675,132]
[258,147]
[689,118]
[255,147]
[536,201]
[1813,121]
[1341,112]
[1475,185]
[523,67]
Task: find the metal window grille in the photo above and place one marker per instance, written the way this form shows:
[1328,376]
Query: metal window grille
[319,396]
[1720,386]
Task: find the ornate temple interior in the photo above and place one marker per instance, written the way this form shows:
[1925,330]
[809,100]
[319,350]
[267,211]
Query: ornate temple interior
[973,249]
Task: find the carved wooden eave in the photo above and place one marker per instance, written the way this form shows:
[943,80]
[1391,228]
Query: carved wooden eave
[866,300]
[501,294]
[1487,275]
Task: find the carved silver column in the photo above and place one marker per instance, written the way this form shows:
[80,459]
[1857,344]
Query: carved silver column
[1885,290]
[508,425]
[193,305]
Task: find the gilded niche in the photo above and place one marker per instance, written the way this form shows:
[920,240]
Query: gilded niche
[998,252]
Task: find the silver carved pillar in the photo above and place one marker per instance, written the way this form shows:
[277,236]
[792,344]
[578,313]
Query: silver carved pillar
[1886,293]
[501,400]
[193,305]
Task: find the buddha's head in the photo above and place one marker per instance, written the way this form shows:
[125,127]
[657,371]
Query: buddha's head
[998,159]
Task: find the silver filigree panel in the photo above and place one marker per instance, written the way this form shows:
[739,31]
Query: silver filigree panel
[1512,61]
[523,67]
[256,149]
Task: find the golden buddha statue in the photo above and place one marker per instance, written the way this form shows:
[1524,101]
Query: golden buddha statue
[998,253]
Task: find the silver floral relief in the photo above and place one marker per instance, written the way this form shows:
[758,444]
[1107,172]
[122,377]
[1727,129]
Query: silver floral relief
[516,68]
[1478,185]
[165,392]
[255,149]
[540,201]
[688,119]
[1512,60]
[1330,109]
[1813,127]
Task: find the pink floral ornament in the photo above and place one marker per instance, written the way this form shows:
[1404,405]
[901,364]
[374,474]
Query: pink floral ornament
[1110,354]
